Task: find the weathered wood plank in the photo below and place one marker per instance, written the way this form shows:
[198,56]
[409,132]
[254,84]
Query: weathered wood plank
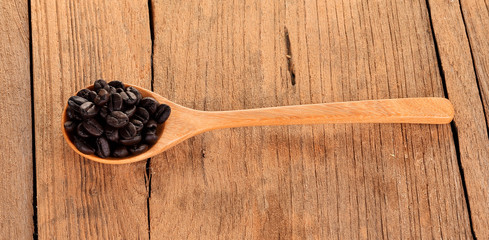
[324,181]
[457,64]
[75,43]
[16,211]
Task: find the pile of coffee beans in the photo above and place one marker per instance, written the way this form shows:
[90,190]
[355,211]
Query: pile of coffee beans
[113,120]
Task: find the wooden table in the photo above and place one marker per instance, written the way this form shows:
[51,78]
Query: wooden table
[339,181]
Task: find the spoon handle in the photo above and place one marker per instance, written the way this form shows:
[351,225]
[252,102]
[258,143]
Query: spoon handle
[406,110]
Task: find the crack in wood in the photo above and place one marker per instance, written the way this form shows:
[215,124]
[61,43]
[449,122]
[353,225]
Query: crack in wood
[290,62]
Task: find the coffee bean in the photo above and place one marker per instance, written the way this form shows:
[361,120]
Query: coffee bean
[93,127]
[112,134]
[116,84]
[117,119]
[115,102]
[102,97]
[103,147]
[150,104]
[128,131]
[123,95]
[111,90]
[72,115]
[132,141]
[151,125]
[141,115]
[120,152]
[150,138]
[81,131]
[75,102]
[136,93]
[162,113]
[138,124]
[131,98]
[130,111]
[100,84]
[138,149]
[88,109]
[70,126]
[103,112]
[119,90]
[82,145]
[84,93]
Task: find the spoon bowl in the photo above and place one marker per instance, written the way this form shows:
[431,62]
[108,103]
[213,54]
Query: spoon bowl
[184,122]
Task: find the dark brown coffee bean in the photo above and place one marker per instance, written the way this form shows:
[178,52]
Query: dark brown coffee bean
[131,98]
[117,119]
[120,152]
[149,104]
[151,125]
[102,97]
[116,84]
[112,134]
[103,112]
[138,124]
[75,102]
[84,93]
[88,110]
[82,145]
[128,131]
[136,93]
[103,147]
[112,90]
[162,113]
[123,95]
[130,111]
[93,127]
[115,102]
[70,126]
[73,115]
[141,115]
[137,149]
[100,84]
[81,131]
[129,142]
[150,138]
[119,90]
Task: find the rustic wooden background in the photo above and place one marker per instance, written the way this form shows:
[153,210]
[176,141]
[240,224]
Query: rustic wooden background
[338,181]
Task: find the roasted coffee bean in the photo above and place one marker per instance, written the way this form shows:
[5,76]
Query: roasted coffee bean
[102,97]
[116,84]
[75,102]
[129,142]
[130,111]
[112,134]
[151,125]
[137,149]
[103,112]
[162,113]
[112,90]
[72,115]
[138,124]
[100,84]
[70,126]
[150,104]
[119,90]
[82,145]
[131,98]
[136,93]
[93,127]
[141,115]
[103,147]
[128,131]
[124,96]
[120,152]
[115,102]
[88,109]
[84,93]
[117,119]
[81,131]
[150,138]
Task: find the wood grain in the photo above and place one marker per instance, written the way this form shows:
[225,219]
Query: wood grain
[75,43]
[338,181]
[16,189]
[461,82]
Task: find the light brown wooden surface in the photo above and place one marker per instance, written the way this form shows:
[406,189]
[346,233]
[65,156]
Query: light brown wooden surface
[16,188]
[328,181]
[75,43]
[462,87]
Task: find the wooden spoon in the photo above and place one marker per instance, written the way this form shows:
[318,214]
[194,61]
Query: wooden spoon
[184,122]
